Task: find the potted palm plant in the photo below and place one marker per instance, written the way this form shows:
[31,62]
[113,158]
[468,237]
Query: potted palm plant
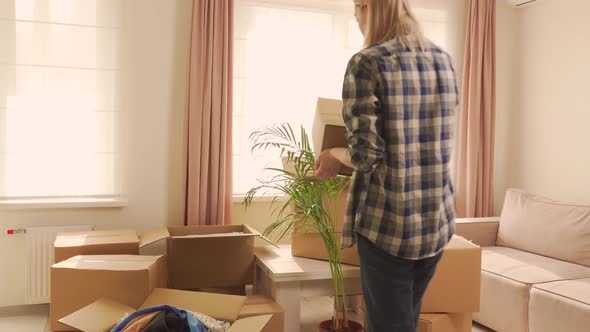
[309,204]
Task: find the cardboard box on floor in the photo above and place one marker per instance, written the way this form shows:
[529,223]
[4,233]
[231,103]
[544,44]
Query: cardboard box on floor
[258,305]
[226,252]
[457,322]
[105,313]
[81,280]
[103,242]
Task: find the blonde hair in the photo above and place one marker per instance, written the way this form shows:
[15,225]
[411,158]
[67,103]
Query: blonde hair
[389,19]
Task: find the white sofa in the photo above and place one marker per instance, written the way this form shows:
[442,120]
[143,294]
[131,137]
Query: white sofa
[535,265]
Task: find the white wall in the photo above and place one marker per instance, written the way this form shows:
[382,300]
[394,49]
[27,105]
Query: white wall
[547,142]
[156,34]
[506,26]
[456,12]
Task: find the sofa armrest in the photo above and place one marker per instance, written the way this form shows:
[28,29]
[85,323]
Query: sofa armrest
[481,231]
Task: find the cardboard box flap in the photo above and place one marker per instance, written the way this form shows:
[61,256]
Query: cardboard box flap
[153,236]
[71,239]
[251,324]
[100,316]
[330,111]
[267,240]
[253,231]
[219,306]
[214,235]
[329,130]
[460,243]
[210,231]
[108,262]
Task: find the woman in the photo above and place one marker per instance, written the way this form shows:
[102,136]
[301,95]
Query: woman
[399,95]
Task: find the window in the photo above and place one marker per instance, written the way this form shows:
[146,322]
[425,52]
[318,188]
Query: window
[287,54]
[60,112]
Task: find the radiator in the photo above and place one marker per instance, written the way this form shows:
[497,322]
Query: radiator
[39,243]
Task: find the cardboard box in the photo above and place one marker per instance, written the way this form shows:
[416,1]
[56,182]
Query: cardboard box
[263,305]
[328,129]
[207,256]
[455,287]
[105,313]
[328,132]
[108,242]
[458,322]
[81,280]
[237,290]
[306,241]
[185,247]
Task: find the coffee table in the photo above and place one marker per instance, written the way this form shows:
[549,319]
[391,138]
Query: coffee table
[289,279]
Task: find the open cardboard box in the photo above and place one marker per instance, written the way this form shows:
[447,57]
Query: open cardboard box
[257,305]
[226,251]
[105,313]
[103,242]
[81,280]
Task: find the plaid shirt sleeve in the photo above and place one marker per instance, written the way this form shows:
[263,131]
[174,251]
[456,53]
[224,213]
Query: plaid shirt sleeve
[361,114]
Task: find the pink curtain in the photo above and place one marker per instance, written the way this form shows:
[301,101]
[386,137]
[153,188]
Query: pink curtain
[208,117]
[475,154]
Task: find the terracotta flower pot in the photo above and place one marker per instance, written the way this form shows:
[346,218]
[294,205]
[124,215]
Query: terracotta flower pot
[326,326]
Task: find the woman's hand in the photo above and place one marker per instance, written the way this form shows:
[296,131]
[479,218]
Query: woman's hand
[327,166]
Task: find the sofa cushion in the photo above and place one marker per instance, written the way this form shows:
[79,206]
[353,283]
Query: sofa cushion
[542,226]
[575,290]
[560,306]
[529,268]
[506,279]
[504,303]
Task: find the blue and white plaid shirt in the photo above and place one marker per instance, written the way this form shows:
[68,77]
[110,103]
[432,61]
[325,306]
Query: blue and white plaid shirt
[399,111]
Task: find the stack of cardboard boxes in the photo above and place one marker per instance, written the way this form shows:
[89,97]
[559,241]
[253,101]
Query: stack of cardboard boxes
[99,276]
[454,292]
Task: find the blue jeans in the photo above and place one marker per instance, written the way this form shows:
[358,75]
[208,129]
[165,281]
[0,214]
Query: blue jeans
[393,287]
